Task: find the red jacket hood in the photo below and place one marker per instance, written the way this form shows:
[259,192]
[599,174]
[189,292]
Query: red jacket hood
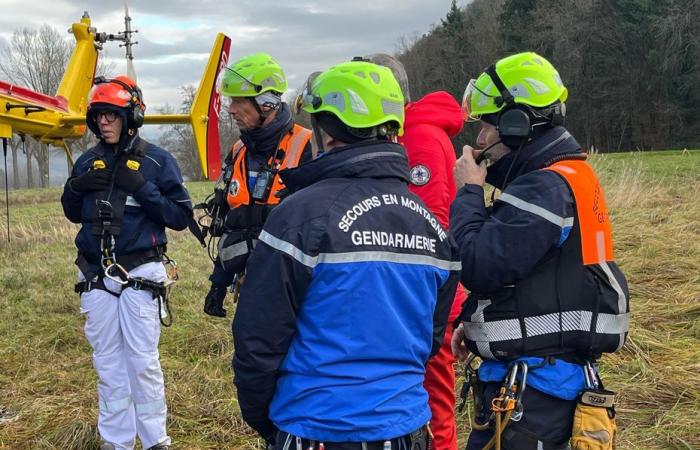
[437,108]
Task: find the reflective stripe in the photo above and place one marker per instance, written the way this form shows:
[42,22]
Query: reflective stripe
[350,257]
[131,201]
[559,221]
[296,146]
[481,344]
[155,406]
[621,299]
[506,330]
[403,258]
[233,251]
[286,247]
[157,163]
[114,406]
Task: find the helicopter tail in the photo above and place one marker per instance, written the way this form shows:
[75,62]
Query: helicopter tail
[204,115]
[80,71]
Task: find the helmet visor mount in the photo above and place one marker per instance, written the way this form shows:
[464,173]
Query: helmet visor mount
[228,76]
[469,91]
[306,98]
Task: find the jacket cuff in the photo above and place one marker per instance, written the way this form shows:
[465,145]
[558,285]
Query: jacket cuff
[471,189]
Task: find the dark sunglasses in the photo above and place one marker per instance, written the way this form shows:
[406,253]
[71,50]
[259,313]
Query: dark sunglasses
[110,116]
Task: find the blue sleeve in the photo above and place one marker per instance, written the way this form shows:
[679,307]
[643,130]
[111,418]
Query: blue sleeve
[265,321]
[445,298]
[165,200]
[500,247]
[72,201]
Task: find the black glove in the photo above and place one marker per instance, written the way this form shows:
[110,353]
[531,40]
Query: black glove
[92,180]
[214,301]
[128,179]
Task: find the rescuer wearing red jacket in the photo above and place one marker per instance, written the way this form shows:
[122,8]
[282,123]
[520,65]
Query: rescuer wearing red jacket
[429,124]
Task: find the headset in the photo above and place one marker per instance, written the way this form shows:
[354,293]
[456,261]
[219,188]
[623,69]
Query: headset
[135,117]
[515,122]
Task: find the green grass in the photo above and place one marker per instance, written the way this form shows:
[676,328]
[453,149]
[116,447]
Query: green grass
[48,384]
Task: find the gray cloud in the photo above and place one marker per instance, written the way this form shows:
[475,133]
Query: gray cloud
[175,36]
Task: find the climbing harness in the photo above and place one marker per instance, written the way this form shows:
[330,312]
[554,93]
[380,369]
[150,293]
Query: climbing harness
[506,407]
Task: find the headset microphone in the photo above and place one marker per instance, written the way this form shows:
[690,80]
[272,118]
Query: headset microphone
[484,152]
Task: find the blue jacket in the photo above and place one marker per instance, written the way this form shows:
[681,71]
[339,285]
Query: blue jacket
[502,244]
[162,202]
[346,295]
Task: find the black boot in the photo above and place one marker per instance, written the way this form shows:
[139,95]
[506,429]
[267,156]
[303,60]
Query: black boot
[159,447]
[214,302]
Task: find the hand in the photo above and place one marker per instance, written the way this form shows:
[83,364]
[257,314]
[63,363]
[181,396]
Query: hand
[128,179]
[459,348]
[92,180]
[214,301]
[467,171]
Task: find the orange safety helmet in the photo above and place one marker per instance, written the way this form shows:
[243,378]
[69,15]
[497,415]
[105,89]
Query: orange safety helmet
[120,93]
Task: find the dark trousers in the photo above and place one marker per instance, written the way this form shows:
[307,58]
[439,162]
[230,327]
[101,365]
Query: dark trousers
[546,422]
[414,441]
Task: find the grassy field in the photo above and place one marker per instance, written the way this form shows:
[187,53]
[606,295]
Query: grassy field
[48,397]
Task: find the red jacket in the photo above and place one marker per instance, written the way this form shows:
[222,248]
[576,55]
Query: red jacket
[429,124]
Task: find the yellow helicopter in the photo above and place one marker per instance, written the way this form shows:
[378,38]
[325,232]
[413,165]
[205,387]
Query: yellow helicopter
[53,119]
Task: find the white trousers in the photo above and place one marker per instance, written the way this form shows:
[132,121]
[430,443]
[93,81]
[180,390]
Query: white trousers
[124,332]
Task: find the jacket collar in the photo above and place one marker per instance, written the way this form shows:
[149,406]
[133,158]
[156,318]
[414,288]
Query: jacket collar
[373,159]
[546,147]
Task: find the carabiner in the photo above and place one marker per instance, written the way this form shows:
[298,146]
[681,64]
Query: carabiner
[118,277]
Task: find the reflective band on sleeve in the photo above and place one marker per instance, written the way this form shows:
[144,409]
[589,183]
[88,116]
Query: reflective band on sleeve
[155,406]
[114,406]
[559,221]
[506,330]
[233,251]
[286,247]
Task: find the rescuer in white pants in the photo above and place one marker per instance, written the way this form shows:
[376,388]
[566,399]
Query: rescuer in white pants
[124,332]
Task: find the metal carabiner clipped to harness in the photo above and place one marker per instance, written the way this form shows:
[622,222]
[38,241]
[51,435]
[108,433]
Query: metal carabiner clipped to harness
[121,277]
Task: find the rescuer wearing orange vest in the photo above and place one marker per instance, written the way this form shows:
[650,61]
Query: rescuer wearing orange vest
[250,185]
[546,296]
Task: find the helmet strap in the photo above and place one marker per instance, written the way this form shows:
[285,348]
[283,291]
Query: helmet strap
[317,135]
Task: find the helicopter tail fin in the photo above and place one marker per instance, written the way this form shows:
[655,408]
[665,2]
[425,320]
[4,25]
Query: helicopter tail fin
[204,115]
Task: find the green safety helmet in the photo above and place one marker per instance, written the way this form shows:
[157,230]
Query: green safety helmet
[251,76]
[359,93]
[529,78]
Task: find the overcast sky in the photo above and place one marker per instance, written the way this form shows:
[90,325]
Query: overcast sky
[175,36]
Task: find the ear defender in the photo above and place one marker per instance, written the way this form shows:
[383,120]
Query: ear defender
[136,117]
[514,122]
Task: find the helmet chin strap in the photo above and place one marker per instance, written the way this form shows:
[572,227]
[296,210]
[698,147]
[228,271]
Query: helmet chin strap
[262,115]
[316,132]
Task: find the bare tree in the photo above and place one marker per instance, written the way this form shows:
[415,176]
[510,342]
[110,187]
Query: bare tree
[36,59]
[179,140]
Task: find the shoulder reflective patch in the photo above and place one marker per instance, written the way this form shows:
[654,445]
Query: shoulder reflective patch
[419,175]
[234,187]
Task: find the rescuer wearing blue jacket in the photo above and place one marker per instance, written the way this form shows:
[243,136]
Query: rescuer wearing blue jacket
[349,290]
[124,192]
[546,296]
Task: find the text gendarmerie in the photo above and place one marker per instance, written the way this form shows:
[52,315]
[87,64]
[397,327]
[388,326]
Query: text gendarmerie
[368,204]
[398,240]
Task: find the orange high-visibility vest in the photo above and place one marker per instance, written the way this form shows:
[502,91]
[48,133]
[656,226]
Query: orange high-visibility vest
[591,210]
[573,304]
[293,144]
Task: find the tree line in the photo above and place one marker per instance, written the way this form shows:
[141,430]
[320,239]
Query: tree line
[632,67]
